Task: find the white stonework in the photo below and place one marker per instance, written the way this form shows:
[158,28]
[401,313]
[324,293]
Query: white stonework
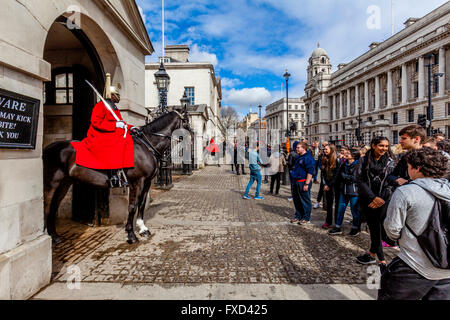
[32,45]
[387,82]
[276,115]
[204,114]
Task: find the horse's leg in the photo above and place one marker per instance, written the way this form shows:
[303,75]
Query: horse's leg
[58,195]
[135,190]
[143,230]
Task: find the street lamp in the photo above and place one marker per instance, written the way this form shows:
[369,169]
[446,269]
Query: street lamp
[162,83]
[187,167]
[436,75]
[286,76]
[165,164]
[259,127]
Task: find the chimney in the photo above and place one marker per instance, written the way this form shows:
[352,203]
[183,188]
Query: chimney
[178,53]
[410,22]
[373,45]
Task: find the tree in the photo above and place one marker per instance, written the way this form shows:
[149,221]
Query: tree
[229,117]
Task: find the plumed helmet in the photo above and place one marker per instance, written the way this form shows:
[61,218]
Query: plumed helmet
[114,90]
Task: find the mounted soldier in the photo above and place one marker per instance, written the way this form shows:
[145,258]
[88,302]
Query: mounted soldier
[107,146]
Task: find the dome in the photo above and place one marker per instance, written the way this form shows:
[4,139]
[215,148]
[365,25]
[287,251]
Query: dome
[319,52]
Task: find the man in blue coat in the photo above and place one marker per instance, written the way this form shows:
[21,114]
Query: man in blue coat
[302,175]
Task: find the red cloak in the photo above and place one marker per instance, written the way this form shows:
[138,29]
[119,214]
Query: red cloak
[105,147]
[212,147]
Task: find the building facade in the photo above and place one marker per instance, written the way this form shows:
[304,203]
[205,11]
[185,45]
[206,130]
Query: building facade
[386,88]
[203,89]
[47,50]
[249,118]
[276,115]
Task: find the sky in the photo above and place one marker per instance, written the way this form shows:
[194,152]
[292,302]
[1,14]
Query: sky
[252,42]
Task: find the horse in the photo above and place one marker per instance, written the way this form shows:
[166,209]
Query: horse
[61,171]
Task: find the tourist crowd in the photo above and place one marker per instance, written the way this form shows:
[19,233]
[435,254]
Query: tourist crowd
[397,191]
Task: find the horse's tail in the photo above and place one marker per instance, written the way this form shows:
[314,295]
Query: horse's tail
[54,158]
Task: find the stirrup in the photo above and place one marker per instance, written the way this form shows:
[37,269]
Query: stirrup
[114,181]
[123,178]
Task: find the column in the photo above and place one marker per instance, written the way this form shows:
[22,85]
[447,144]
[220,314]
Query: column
[404,84]
[366,96]
[334,106]
[340,105]
[377,93]
[442,70]
[356,99]
[389,88]
[348,103]
[421,78]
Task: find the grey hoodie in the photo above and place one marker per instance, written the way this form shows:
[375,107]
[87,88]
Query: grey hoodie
[411,203]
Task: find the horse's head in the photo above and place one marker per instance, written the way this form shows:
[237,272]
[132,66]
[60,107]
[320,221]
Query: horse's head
[183,119]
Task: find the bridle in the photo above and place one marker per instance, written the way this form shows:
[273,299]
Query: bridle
[147,142]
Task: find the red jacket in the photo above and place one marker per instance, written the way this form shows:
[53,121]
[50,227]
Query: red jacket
[105,147]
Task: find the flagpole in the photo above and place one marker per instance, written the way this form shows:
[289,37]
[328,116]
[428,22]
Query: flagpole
[392,16]
[163,49]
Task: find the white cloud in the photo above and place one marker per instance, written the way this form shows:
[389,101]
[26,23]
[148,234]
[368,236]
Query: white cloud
[246,97]
[228,83]
[196,54]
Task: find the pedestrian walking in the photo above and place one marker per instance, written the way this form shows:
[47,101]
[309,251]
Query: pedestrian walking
[347,177]
[373,191]
[412,275]
[277,163]
[317,168]
[329,169]
[302,174]
[255,164]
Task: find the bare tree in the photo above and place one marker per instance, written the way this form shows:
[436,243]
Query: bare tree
[229,117]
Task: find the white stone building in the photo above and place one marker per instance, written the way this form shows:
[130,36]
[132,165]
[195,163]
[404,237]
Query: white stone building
[203,89]
[387,84]
[47,50]
[276,115]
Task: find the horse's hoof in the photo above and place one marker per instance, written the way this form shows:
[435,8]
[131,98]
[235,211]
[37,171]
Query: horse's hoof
[56,239]
[132,240]
[146,233]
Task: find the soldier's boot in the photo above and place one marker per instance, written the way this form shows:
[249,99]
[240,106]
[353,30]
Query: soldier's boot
[114,180]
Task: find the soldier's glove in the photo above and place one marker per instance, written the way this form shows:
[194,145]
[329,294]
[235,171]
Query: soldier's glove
[121,124]
[136,131]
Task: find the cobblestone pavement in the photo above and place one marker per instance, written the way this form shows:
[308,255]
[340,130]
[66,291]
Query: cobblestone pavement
[203,232]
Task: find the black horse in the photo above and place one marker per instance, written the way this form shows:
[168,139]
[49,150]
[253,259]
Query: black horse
[60,171]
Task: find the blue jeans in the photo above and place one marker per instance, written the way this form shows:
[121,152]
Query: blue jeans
[302,201]
[254,175]
[343,202]
[297,214]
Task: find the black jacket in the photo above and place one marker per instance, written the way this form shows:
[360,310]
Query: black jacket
[291,159]
[400,171]
[371,177]
[347,178]
[330,177]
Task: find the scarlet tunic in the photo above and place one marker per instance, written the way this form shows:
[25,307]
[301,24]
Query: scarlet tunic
[104,147]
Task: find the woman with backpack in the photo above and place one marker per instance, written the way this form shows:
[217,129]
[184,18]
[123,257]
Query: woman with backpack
[349,192]
[329,169]
[374,192]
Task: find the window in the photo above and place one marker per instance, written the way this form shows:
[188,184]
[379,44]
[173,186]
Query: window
[336,127]
[64,88]
[410,115]
[296,116]
[331,128]
[394,137]
[395,118]
[436,85]
[343,125]
[417,66]
[323,60]
[190,93]
[448,109]
[399,94]
[303,116]
[369,119]
[416,89]
[436,58]
[381,117]
[296,107]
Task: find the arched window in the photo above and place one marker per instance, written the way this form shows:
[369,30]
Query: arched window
[323,60]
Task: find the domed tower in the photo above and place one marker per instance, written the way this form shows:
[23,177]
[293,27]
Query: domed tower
[319,62]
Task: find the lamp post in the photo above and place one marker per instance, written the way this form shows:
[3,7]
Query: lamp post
[259,127]
[429,108]
[165,164]
[286,77]
[187,167]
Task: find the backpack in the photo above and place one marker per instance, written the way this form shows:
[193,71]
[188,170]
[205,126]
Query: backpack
[434,240]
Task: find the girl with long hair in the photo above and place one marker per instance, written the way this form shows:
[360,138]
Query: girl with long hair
[330,166]
[374,193]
